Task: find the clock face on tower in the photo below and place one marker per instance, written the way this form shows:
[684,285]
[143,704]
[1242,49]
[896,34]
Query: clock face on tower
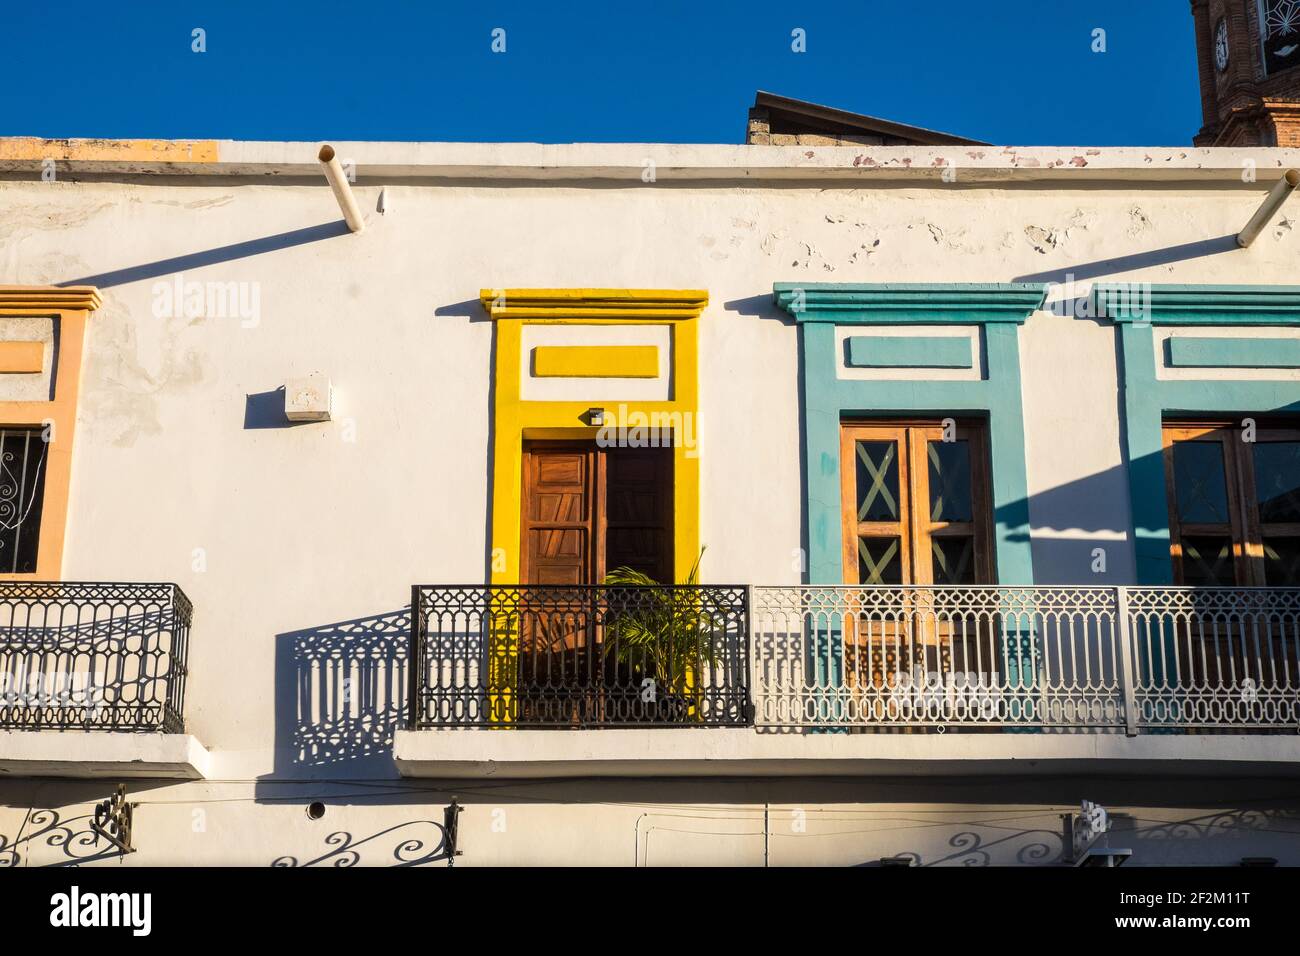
[1221,45]
[1279,27]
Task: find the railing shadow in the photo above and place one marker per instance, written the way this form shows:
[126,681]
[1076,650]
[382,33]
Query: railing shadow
[72,836]
[420,842]
[340,695]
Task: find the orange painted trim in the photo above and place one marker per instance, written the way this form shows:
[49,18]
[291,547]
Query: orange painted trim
[120,150]
[42,299]
[22,357]
[70,308]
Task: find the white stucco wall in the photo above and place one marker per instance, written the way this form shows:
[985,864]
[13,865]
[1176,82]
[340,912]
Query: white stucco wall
[275,531]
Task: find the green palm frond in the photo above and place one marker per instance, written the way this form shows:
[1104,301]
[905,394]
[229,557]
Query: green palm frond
[670,633]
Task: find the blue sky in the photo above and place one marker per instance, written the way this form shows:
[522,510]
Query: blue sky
[1006,71]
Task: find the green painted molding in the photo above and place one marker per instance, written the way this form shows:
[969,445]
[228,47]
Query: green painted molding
[910,303]
[1182,351]
[913,351]
[829,400]
[1197,304]
[1147,400]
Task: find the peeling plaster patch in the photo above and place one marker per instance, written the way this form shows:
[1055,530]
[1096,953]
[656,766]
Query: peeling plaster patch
[863,252]
[130,364]
[812,256]
[1080,220]
[1045,238]
[1041,239]
[770,241]
[1138,221]
[48,268]
[742,223]
[953,239]
[197,203]
[40,217]
[1283,227]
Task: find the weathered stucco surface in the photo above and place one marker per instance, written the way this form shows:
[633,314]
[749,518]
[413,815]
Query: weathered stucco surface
[280,533]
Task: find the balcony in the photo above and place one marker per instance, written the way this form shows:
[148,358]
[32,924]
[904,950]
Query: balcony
[92,680]
[1092,660]
[579,657]
[808,680]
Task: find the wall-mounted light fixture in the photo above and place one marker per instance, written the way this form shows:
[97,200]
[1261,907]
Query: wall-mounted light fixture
[595,417]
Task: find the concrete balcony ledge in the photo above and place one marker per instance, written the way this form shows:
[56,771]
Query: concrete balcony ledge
[746,753]
[53,753]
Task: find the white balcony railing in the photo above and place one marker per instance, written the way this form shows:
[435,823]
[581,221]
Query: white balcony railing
[1117,660]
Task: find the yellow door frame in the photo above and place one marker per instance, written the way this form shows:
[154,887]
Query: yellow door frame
[515,419]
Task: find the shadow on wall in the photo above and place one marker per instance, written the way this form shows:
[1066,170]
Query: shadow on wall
[1083,271]
[209,257]
[266,410]
[417,842]
[1218,838]
[50,837]
[340,693]
[1067,533]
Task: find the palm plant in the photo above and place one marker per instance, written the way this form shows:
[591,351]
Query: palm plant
[668,634]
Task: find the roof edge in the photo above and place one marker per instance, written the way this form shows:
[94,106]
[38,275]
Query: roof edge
[648,164]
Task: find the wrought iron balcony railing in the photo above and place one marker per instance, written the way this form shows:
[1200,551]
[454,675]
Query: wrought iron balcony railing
[583,656]
[1123,660]
[859,659]
[93,656]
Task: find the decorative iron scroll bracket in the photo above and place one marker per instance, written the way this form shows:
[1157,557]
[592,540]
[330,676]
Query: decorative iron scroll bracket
[1083,832]
[450,829]
[113,820]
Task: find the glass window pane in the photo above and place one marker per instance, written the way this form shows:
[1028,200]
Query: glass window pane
[877,463]
[1277,480]
[1200,487]
[1207,561]
[1282,562]
[950,481]
[953,560]
[880,561]
[22,493]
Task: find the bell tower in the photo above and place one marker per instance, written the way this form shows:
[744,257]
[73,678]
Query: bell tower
[1248,53]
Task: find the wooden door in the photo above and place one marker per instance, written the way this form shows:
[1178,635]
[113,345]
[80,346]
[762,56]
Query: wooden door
[586,510]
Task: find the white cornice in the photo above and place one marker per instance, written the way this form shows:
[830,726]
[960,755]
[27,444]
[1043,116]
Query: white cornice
[635,164]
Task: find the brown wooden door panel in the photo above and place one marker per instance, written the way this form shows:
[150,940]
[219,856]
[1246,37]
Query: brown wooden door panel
[586,510]
[558,514]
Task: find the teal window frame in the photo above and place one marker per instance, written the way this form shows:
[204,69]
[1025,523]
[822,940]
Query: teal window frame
[1147,401]
[827,400]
